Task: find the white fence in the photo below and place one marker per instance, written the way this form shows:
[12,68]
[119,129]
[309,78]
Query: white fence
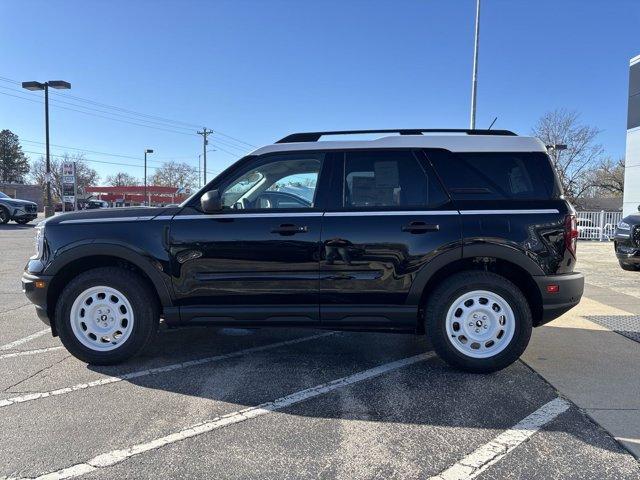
[597,225]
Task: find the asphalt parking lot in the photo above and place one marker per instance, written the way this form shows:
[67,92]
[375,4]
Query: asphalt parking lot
[235,403]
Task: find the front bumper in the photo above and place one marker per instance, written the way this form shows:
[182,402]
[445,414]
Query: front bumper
[569,292]
[37,293]
[20,213]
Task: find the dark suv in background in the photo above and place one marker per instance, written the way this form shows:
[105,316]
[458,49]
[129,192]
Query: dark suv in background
[462,235]
[626,242]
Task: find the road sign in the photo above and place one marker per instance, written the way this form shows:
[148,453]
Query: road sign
[69,184]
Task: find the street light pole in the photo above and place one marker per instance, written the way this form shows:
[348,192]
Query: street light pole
[146,150]
[474,82]
[59,84]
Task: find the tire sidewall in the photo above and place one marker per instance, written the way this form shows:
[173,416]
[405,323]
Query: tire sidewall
[436,327]
[133,289]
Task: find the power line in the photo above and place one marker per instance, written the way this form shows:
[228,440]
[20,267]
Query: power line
[102,116]
[90,160]
[160,120]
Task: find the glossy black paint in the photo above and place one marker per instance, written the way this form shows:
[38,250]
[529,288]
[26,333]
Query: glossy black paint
[627,242]
[323,266]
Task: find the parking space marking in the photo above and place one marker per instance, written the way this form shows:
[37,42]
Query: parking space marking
[20,341]
[30,352]
[490,453]
[116,456]
[152,371]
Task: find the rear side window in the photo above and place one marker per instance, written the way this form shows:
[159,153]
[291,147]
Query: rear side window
[495,176]
[388,179]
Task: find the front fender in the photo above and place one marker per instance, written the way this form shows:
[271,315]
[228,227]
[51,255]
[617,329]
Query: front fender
[146,262]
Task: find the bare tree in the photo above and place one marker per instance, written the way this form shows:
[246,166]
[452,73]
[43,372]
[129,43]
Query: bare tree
[174,174]
[122,179]
[86,175]
[607,180]
[582,154]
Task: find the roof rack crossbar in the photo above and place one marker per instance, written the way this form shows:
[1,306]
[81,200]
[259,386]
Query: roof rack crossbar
[315,136]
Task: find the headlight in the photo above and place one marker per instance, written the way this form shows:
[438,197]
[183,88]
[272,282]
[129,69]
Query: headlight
[39,241]
[624,226]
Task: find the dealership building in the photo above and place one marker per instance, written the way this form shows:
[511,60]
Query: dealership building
[631,200]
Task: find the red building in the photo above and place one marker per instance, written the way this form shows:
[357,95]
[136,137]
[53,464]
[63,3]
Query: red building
[134,195]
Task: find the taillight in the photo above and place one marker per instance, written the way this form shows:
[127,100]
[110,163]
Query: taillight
[571,233]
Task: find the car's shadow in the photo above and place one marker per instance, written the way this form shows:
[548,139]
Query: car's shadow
[427,393]
[17,226]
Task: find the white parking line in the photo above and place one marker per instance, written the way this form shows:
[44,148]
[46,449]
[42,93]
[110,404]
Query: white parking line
[20,341]
[490,453]
[30,352]
[116,456]
[151,371]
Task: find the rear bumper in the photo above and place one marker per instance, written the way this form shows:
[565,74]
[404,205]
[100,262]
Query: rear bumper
[37,294]
[570,289]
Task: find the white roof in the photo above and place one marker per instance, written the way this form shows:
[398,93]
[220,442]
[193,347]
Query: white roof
[454,143]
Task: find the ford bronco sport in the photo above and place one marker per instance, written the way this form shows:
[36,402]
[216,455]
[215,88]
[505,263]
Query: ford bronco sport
[462,235]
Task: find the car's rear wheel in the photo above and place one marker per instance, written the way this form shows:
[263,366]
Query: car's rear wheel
[106,315]
[4,215]
[478,321]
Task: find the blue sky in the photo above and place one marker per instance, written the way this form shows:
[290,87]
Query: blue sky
[258,70]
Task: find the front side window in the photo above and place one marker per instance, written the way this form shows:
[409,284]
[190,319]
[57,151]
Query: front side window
[388,179]
[276,184]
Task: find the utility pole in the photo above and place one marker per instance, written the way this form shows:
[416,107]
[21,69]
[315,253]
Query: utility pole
[474,84]
[205,142]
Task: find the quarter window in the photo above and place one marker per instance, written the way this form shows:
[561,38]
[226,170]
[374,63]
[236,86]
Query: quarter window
[496,175]
[388,179]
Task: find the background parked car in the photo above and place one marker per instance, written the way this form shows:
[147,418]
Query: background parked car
[20,211]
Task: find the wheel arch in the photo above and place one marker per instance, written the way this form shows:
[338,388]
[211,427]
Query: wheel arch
[503,261]
[89,256]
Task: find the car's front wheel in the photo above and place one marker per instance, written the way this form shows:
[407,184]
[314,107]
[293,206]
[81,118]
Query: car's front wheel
[478,321]
[106,315]
[4,215]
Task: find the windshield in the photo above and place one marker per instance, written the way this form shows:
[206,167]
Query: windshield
[2,195]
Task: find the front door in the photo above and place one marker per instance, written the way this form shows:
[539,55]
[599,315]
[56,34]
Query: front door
[389,216]
[256,260]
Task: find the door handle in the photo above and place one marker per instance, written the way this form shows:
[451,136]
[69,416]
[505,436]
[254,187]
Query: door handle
[290,229]
[420,227]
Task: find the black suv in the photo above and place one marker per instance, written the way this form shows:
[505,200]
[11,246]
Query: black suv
[627,242]
[462,235]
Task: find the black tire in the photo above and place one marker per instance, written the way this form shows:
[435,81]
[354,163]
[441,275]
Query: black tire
[629,267]
[448,292]
[4,215]
[23,221]
[143,302]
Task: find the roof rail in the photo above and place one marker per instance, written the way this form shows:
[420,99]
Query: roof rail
[315,136]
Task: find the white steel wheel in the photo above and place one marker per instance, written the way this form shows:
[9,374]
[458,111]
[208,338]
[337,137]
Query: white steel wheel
[102,318]
[480,324]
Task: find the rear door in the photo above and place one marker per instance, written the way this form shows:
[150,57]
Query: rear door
[387,217]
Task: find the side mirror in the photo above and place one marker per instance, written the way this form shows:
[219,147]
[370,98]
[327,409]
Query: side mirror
[211,202]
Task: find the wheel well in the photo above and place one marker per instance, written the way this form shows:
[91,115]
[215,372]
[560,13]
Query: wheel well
[517,275]
[80,265]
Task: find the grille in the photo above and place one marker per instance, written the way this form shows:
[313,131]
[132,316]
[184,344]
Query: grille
[636,235]
[31,208]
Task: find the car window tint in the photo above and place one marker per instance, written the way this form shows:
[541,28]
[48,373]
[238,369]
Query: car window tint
[279,184]
[491,176]
[388,179]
